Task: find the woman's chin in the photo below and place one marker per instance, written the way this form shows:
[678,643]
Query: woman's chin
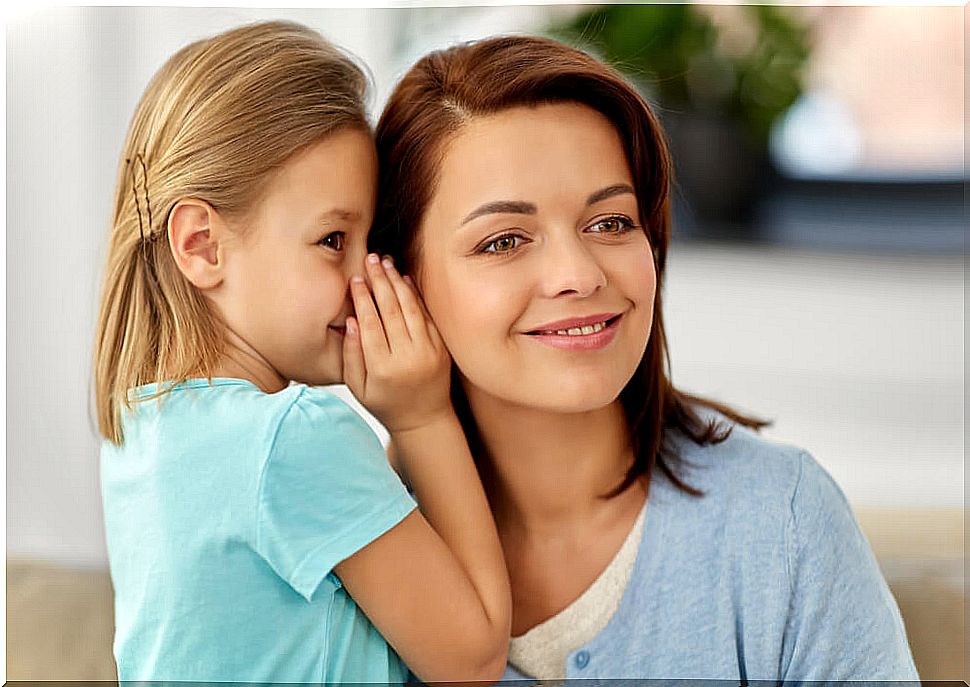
[569,399]
[573,404]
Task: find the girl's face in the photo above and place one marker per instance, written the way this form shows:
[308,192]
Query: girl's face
[533,263]
[287,275]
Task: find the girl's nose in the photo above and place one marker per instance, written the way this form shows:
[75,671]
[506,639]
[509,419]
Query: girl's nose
[354,260]
[569,268]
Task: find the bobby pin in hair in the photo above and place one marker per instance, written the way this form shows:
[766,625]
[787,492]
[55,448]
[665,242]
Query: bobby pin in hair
[134,191]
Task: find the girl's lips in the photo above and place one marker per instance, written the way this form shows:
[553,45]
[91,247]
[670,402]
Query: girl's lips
[581,342]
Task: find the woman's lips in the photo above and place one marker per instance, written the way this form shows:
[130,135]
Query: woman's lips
[580,342]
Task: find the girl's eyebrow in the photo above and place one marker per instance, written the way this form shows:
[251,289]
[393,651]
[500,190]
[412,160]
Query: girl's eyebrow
[520,207]
[337,214]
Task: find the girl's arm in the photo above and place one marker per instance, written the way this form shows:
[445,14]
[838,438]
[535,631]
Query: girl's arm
[435,585]
[395,461]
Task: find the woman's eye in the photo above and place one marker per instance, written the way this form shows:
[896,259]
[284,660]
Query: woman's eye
[502,244]
[612,225]
[334,241]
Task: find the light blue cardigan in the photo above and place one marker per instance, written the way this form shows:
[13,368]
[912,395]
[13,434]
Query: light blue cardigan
[766,577]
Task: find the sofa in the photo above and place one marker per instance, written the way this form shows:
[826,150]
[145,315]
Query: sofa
[59,618]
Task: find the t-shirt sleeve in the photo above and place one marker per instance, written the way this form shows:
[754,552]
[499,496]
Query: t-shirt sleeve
[844,623]
[326,491]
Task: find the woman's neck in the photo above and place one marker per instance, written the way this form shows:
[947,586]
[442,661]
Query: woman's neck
[545,472]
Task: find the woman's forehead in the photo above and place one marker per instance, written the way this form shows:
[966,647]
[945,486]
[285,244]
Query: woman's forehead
[530,153]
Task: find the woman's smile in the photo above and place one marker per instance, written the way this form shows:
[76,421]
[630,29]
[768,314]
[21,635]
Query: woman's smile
[578,333]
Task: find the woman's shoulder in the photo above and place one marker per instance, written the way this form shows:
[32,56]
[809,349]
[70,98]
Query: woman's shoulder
[748,470]
[743,457]
[772,542]
[772,500]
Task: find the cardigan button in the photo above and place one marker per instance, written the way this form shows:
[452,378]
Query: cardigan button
[582,659]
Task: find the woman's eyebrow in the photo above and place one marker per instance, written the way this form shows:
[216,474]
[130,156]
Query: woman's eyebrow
[609,192]
[501,206]
[519,207]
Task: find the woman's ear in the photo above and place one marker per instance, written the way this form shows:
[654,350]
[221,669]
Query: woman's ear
[194,234]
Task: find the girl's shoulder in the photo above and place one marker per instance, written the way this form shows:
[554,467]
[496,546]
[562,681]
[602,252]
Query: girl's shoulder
[207,413]
[312,409]
[204,397]
[243,400]
[317,430]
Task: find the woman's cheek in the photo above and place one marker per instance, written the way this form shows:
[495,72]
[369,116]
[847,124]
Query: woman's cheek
[638,274]
[477,311]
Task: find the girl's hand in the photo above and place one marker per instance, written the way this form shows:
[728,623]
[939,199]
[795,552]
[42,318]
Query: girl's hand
[394,360]
[449,618]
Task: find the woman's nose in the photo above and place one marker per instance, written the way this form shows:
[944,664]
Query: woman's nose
[570,268]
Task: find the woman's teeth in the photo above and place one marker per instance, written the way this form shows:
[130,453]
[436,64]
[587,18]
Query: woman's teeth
[578,331]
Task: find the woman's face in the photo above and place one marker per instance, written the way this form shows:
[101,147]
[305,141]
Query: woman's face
[533,262]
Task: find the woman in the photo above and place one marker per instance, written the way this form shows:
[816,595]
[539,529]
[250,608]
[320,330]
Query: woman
[648,533]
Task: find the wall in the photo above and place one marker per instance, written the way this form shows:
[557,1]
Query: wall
[857,357]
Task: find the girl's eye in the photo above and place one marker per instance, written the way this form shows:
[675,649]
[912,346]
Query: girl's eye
[502,244]
[612,225]
[334,241]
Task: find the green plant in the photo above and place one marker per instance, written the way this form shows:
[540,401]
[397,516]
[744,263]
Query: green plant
[685,62]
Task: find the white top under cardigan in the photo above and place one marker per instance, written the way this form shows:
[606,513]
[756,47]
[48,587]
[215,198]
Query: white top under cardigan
[543,649]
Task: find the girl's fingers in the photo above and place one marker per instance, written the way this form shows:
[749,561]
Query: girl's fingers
[372,339]
[354,371]
[387,304]
[410,302]
[434,335]
[428,322]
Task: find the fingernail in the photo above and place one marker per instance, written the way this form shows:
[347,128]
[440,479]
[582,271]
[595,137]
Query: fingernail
[388,265]
[373,258]
[357,279]
[407,278]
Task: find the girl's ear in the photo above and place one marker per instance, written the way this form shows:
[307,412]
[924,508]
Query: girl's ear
[194,233]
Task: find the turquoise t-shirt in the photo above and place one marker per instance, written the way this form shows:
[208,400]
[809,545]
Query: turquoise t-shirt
[226,510]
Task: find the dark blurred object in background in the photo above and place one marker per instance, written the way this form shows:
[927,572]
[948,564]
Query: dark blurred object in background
[717,87]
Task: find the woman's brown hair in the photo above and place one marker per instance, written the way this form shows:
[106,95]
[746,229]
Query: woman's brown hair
[446,89]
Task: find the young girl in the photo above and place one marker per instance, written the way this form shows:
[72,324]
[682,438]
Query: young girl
[256,531]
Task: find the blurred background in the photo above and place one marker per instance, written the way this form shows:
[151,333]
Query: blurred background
[816,273]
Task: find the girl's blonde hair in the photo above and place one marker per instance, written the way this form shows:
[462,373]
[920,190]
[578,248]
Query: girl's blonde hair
[215,121]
